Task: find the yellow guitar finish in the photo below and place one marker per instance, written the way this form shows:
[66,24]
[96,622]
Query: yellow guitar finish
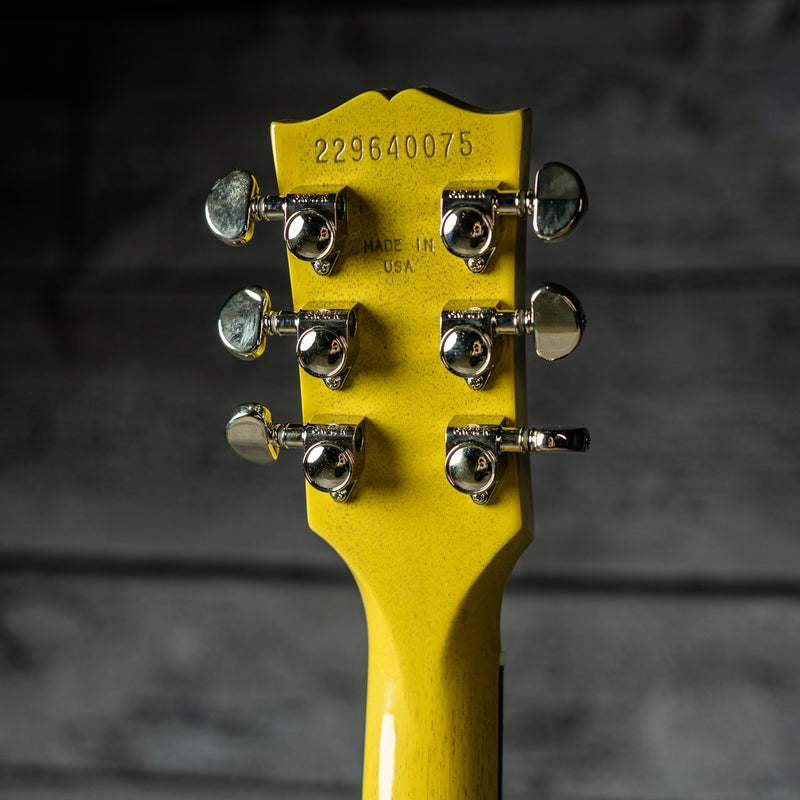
[431,565]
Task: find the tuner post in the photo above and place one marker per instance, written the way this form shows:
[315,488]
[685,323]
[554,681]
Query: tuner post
[325,333]
[475,448]
[327,341]
[469,214]
[468,218]
[468,343]
[333,447]
[314,220]
[316,226]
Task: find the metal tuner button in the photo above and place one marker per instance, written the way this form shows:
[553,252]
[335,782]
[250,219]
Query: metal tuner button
[314,219]
[325,333]
[557,203]
[333,447]
[475,448]
[469,213]
[468,344]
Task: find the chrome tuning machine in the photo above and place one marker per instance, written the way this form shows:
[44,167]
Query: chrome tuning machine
[333,447]
[314,221]
[475,448]
[556,203]
[468,346]
[326,341]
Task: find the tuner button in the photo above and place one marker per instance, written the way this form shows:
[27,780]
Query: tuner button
[466,232]
[559,201]
[558,321]
[229,207]
[466,351]
[559,440]
[333,451]
[475,448]
[241,322]
[248,434]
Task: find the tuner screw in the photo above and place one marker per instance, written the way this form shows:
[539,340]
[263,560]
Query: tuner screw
[333,456]
[327,344]
[322,268]
[467,343]
[314,221]
[477,382]
[474,447]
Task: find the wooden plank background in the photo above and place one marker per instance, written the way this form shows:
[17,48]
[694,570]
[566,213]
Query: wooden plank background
[169,628]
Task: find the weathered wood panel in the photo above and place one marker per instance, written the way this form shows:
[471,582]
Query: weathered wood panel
[658,697]
[689,390]
[182,677]
[683,118]
[167,681]
[61,787]
[114,435]
[626,696]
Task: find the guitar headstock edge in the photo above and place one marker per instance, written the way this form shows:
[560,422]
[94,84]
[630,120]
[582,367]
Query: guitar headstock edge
[394,206]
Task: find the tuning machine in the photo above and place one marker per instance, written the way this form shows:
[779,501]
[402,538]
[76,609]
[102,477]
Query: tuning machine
[469,214]
[468,346]
[333,447]
[475,448]
[314,221]
[325,333]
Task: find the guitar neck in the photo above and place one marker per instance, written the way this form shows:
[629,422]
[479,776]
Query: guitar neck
[432,582]
[433,700]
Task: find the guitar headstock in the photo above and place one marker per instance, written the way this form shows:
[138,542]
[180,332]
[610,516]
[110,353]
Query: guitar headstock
[394,206]
[405,219]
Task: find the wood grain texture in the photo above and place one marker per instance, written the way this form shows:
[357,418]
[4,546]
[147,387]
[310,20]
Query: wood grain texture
[263,685]
[160,638]
[58,786]
[682,118]
[693,469]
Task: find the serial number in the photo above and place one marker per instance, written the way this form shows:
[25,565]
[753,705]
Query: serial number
[428,145]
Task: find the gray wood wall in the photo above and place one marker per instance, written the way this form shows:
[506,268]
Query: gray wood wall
[169,628]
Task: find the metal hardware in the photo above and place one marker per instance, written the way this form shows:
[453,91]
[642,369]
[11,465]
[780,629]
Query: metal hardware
[469,214]
[314,221]
[468,221]
[327,344]
[467,343]
[333,456]
[475,446]
[558,201]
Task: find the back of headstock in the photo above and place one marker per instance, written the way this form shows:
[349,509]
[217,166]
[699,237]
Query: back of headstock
[404,218]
